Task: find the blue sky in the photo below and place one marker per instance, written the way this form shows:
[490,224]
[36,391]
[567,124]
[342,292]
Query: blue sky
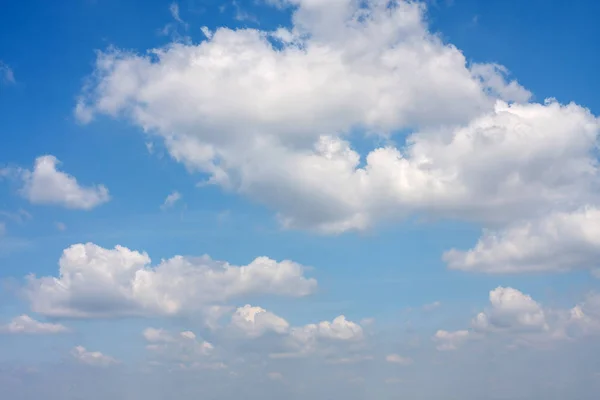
[422,177]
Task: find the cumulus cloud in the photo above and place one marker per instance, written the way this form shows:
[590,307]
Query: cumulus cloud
[93,358]
[519,320]
[295,341]
[99,282]
[511,310]
[45,184]
[477,150]
[255,321]
[24,324]
[556,242]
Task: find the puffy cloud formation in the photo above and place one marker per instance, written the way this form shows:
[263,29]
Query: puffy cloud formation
[93,358]
[511,310]
[477,150]
[296,341]
[26,324]
[256,321]
[473,152]
[556,242]
[98,282]
[516,317]
[45,184]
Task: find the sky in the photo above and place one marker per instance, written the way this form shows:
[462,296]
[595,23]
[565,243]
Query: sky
[299,198]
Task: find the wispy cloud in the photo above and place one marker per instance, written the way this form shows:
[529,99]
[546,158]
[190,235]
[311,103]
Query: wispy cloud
[171,200]
[7,75]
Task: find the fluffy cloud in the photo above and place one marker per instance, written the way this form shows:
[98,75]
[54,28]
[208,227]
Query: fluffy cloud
[557,242]
[98,282]
[478,150]
[521,321]
[255,321]
[295,341]
[511,310]
[93,358]
[26,324]
[47,185]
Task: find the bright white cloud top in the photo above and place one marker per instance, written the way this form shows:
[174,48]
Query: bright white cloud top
[98,282]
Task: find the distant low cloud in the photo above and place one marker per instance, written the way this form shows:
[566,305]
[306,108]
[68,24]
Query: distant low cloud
[93,358]
[24,324]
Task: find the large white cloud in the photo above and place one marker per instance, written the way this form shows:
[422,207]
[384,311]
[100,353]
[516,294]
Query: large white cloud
[95,282]
[272,121]
[46,184]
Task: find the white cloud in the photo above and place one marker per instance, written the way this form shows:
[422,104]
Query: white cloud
[27,325]
[511,310]
[517,319]
[61,226]
[471,156]
[182,347]
[398,359]
[556,242]
[447,341]
[297,341]
[171,200]
[47,185]
[93,358]
[7,75]
[255,321]
[98,282]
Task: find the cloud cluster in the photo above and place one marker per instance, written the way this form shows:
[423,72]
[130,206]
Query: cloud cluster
[98,282]
[477,149]
[518,319]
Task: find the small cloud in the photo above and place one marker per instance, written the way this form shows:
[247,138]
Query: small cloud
[6,74]
[241,14]
[431,306]
[24,324]
[171,200]
[19,216]
[397,359]
[93,358]
[275,376]
[150,147]
[61,226]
